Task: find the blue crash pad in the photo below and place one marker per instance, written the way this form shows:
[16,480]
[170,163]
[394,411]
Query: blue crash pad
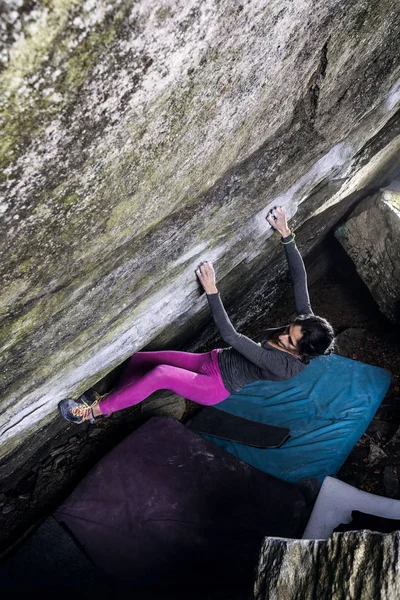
[328,407]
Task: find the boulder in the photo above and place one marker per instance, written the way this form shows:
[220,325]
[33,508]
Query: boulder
[349,341]
[139,138]
[371,237]
[349,566]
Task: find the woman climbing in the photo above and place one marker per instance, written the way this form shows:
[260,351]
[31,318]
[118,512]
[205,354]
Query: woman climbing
[211,377]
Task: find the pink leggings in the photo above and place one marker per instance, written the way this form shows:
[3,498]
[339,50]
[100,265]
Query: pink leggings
[193,376]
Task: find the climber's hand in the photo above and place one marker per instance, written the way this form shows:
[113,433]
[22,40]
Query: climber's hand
[277,219]
[206,275]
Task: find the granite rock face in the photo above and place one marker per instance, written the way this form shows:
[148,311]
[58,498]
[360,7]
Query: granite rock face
[360,565]
[140,137]
[371,237]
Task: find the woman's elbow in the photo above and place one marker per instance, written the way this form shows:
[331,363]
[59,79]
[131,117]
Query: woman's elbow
[230,338]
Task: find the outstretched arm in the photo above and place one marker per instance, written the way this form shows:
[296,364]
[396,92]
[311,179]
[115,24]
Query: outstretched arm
[277,219]
[276,362]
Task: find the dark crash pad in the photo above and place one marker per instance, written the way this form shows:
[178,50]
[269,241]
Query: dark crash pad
[50,559]
[168,507]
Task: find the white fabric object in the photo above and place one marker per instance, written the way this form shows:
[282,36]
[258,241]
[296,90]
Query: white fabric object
[335,502]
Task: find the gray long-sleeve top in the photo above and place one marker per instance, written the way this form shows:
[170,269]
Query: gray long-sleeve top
[247,361]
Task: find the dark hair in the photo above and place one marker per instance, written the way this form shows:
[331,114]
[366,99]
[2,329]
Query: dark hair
[317,336]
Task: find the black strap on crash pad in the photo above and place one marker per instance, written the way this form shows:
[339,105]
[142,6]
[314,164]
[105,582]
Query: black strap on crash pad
[218,423]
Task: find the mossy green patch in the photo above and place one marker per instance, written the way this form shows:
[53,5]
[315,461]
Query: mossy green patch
[70,199]
[24,266]
[164,13]
[47,306]
[88,52]
[16,289]
[30,96]
[23,106]
[366,16]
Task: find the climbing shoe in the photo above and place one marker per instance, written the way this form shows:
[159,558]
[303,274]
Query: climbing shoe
[78,411]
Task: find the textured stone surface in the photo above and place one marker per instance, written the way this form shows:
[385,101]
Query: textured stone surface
[376,455]
[139,137]
[348,341]
[348,566]
[371,237]
[391,481]
[165,404]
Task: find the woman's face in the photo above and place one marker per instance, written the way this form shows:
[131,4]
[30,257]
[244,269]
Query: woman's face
[290,338]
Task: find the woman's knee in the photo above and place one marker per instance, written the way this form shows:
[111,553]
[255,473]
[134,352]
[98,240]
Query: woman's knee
[161,372]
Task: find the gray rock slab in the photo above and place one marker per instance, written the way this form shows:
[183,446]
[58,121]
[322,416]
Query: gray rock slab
[371,237]
[349,566]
